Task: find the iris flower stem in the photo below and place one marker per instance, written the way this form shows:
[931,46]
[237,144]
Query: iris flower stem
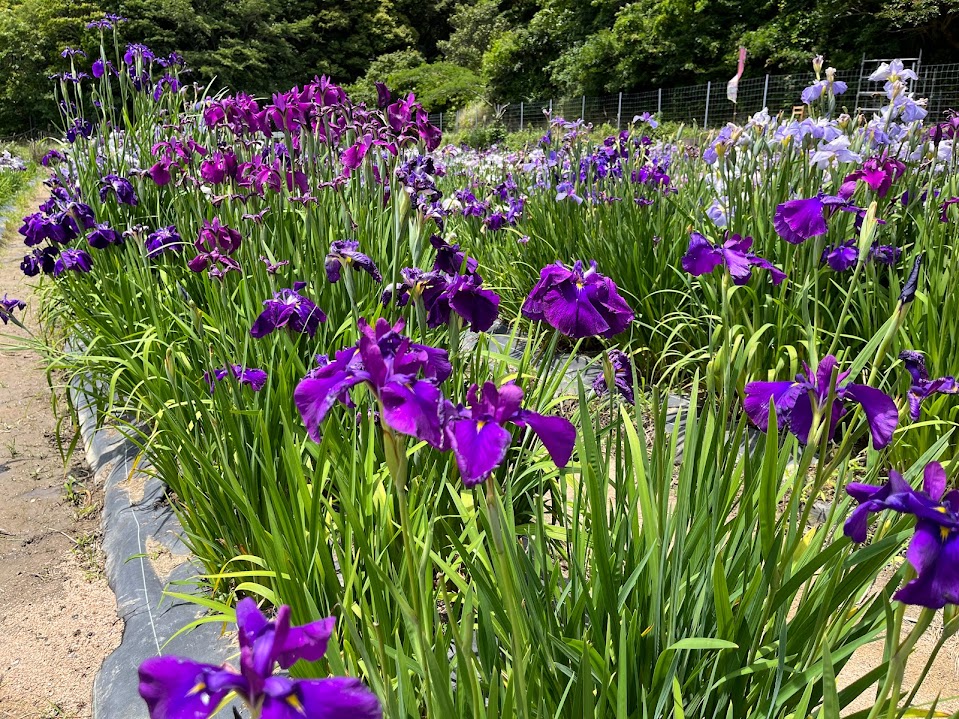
[351,293]
[892,686]
[506,582]
[398,465]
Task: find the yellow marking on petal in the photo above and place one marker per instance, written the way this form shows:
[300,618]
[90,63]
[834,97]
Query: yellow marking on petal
[944,533]
[296,704]
[941,509]
[480,424]
[579,285]
[200,686]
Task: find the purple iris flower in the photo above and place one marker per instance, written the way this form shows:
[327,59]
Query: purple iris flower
[214,245]
[566,191]
[402,374]
[76,260]
[254,378]
[622,376]
[450,259]
[8,305]
[103,236]
[39,260]
[288,308]
[215,236]
[346,253]
[39,227]
[877,172]
[922,386]
[479,439]
[165,239]
[703,257]
[177,688]
[795,403]
[417,284]
[578,303]
[121,187]
[884,254]
[382,95]
[842,257]
[944,212]
[464,295]
[272,267]
[934,549]
[798,220]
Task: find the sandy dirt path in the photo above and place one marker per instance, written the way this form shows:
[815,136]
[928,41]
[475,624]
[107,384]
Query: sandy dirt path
[57,615]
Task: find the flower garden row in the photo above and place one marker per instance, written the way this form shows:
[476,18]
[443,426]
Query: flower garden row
[279,293]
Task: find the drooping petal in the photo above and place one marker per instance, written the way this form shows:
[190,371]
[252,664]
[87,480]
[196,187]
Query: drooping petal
[938,582]
[413,409]
[758,394]
[307,642]
[881,412]
[479,448]
[177,688]
[798,220]
[333,698]
[557,434]
[315,396]
[701,257]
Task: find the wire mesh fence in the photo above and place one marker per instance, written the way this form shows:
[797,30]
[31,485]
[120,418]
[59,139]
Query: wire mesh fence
[707,106]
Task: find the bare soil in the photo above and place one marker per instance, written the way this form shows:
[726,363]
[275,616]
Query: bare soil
[58,617]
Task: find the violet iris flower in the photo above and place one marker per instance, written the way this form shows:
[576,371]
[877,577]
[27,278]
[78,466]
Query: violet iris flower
[622,376]
[566,191]
[922,386]
[842,257]
[39,260]
[103,236]
[76,260]
[417,284]
[944,213]
[178,688]
[8,305]
[798,220]
[272,267]
[703,257]
[215,244]
[479,439]
[934,549]
[877,172]
[402,374]
[346,253]
[463,295]
[165,239]
[288,308]
[796,402]
[578,303]
[254,378]
[121,187]
[451,259]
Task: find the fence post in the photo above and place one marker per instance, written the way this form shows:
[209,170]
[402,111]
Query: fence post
[441,122]
[551,108]
[520,116]
[765,90]
[582,113]
[619,111]
[659,103]
[709,85]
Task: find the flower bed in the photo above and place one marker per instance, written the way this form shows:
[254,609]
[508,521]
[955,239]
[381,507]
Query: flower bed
[279,292]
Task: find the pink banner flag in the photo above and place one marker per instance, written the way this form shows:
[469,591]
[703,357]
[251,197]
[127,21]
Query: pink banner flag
[732,87]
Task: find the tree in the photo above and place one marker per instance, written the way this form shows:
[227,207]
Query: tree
[474,24]
[32,34]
